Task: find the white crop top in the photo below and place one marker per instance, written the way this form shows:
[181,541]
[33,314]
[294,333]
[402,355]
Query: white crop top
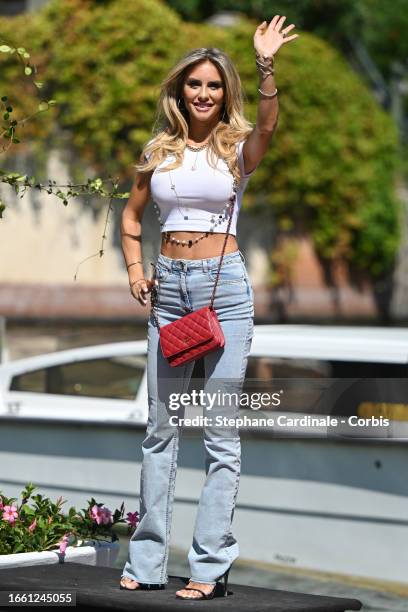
[203,193]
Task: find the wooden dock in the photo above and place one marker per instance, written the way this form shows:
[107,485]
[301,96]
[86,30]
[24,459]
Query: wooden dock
[98,588]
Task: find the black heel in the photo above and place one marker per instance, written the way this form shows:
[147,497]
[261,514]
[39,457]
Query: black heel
[210,595]
[225,576]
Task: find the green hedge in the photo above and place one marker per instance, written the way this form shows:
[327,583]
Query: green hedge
[331,166]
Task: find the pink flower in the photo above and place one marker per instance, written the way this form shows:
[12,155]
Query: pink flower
[133,518]
[10,513]
[94,513]
[64,543]
[106,516]
[101,515]
[32,526]
[1,503]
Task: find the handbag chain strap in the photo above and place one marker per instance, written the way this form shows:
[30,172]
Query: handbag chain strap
[222,254]
[153,292]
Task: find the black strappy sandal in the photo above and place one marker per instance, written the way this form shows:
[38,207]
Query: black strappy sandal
[212,593]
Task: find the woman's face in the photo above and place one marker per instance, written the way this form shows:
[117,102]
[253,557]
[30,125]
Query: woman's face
[203,92]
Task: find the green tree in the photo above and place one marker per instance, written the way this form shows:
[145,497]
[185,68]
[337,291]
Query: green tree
[331,166]
[380,25]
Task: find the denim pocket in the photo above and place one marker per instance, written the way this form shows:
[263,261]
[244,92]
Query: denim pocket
[232,271]
[242,257]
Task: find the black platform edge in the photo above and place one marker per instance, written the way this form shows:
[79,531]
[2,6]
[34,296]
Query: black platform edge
[98,588]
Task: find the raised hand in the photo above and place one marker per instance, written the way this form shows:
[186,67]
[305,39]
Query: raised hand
[269,38]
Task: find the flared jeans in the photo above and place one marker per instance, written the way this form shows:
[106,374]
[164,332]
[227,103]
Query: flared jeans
[186,285]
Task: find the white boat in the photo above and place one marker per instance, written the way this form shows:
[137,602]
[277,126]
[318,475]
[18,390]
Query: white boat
[314,493]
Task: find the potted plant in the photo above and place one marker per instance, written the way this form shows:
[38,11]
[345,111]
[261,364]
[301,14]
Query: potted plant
[36,531]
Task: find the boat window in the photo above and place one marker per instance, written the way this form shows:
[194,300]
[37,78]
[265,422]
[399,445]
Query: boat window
[326,387]
[116,377]
[34,381]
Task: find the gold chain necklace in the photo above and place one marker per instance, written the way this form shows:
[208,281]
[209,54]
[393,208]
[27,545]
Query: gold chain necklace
[224,212]
[196,149]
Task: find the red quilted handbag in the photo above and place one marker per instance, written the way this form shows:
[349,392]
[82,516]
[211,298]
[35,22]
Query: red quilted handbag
[196,333]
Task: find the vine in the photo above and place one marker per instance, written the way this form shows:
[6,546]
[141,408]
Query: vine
[332,164]
[21,182]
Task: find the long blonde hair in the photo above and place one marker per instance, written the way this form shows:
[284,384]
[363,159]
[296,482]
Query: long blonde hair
[172,133]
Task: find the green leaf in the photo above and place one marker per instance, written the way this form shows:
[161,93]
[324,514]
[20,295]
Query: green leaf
[333,175]
[5,48]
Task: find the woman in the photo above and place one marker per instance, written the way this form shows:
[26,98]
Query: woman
[202,103]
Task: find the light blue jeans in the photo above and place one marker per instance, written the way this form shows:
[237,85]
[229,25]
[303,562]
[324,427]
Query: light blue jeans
[186,285]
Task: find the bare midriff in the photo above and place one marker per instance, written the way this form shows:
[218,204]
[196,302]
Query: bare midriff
[210,246]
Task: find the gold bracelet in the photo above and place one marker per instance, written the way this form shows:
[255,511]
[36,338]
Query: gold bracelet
[132,264]
[265,57]
[268,95]
[266,73]
[135,236]
[268,65]
[263,74]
